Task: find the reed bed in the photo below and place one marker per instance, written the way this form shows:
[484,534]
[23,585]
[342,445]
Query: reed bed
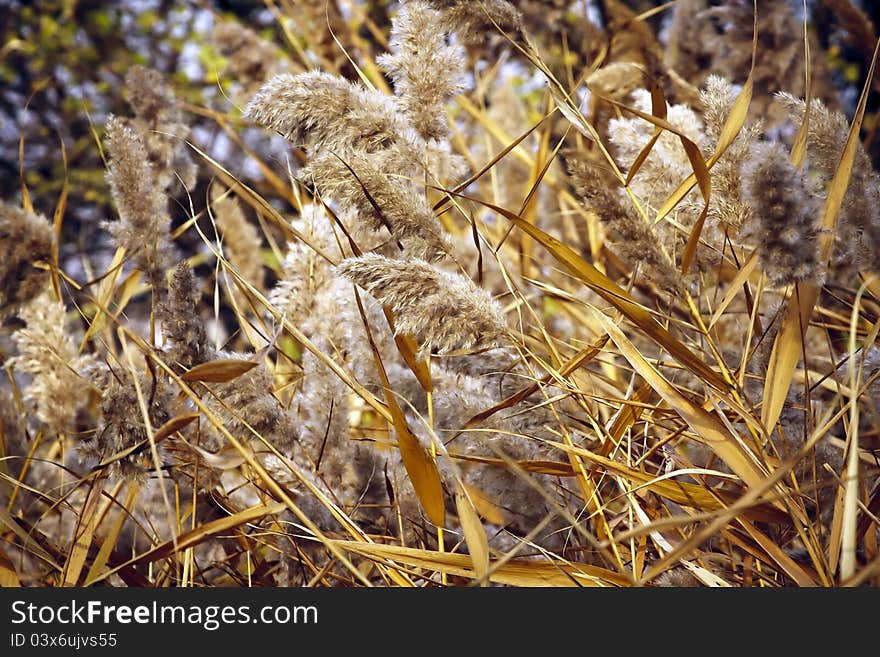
[478,294]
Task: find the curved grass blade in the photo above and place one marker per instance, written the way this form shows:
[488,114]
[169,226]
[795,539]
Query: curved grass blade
[615,295]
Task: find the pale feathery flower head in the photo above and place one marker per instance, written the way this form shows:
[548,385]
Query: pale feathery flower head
[242,244]
[329,115]
[352,469]
[248,404]
[668,164]
[12,424]
[185,336]
[617,80]
[717,97]
[471,20]
[143,226]
[857,236]
[786,215]
[48,353]
[304,273]
[25,239]
[426,70]
[361,183]
[500,370]
[826,132]
[160,123]
[251,60]
[727,206]
[122,423]
[633,238]
[320,110]
[441,310]
[515,433]
[337,328]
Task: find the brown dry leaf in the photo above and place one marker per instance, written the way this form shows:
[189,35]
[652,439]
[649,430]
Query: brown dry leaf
[409,348]
[219,371]
[419,466]
[173,425]
[555,468]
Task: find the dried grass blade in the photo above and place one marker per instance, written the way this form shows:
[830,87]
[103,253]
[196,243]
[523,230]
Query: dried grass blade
[555,468]
[732,126]
[850,515]
[778,555]
[28,544]
[514,572]
[616,296]
[580,359]
[200,534]
[474,534]
[736,285]
[706,425]
[658,109]
[173,425]
[102,299]
[628,415]
[109,541]
[799,147]
[258,203]
[686,494]
[419,465]
[84,533]
[58,219]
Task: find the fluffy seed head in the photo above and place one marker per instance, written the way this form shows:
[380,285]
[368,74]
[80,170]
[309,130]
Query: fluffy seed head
[787,215]
[24,239]
[241,239]
[49,355]
[443,311]
[426,70]
[159,122]
[184,329]
[143,216]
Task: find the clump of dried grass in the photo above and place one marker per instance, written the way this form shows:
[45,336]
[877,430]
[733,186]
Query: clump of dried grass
[330,386]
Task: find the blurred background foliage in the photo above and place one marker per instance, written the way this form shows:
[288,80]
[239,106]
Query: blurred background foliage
[63,62]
